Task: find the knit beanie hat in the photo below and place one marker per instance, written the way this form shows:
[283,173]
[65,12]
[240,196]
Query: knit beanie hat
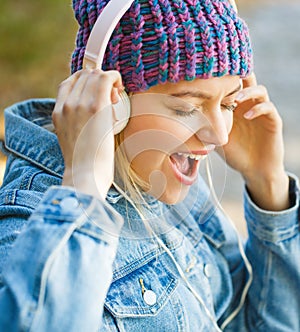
[159,41]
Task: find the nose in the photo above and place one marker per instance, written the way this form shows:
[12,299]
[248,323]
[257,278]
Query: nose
[216,128]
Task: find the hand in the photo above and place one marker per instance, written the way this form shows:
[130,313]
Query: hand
[83,121]
[256,149]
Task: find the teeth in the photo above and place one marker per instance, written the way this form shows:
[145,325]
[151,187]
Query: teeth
[192,156]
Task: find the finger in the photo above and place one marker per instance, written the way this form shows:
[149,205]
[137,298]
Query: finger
[267,109]
[115,95]
[90,90]
[249,81]
[258,93]
[64,90]
[99,88]
[73,102]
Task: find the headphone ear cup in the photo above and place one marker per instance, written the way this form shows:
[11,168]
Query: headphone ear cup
[121,113]
[95,50]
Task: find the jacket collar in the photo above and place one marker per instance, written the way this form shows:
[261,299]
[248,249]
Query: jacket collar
[25,122]
[29,119]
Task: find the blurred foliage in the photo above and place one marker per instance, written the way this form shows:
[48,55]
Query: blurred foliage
[36,42]
[37,39]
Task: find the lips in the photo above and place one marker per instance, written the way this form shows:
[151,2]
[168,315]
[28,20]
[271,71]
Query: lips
[185,166]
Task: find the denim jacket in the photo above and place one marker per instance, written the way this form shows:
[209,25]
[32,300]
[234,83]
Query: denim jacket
[71,262]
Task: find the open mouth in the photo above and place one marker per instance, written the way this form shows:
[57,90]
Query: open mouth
[185,166]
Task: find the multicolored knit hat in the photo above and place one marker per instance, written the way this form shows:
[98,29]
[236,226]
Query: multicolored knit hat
[159,41]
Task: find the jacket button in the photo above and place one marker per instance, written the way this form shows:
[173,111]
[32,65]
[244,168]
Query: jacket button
[149,297]
[208,270]
[69,203]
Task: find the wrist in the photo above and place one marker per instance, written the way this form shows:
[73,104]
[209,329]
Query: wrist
[85,182]
[270,192]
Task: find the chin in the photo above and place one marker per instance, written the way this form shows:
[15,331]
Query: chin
[173,197]
[171,192]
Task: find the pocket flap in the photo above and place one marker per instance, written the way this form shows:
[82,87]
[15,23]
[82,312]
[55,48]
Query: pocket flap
[125,295]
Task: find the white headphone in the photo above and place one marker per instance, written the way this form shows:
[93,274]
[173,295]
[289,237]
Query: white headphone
[95,50]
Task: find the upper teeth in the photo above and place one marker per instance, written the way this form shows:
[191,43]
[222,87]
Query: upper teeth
[192,156]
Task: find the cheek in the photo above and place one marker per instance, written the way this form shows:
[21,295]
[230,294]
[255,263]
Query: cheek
[156,123]
[155,133]
[229,121]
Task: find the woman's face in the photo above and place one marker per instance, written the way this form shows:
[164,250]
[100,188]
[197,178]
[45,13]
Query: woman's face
[173,127]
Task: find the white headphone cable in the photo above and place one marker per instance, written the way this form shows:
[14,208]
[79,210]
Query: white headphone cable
[167,250]
[241,249]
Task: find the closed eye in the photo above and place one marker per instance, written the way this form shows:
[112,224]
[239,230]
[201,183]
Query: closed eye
[185,113]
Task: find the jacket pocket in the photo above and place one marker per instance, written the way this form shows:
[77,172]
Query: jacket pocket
[143,292]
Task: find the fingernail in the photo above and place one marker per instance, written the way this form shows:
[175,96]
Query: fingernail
[240,96]
[249,114]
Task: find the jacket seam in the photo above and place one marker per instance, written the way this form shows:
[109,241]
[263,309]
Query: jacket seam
[33,162]
[139,262]
[265,289]
[27,180]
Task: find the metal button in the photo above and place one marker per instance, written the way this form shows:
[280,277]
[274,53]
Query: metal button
[208,270]
[149,297]
[69,203]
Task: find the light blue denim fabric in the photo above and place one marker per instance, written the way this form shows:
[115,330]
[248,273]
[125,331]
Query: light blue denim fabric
[70,262]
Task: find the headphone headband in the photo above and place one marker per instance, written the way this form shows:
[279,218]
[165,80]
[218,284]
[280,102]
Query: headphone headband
[102,31]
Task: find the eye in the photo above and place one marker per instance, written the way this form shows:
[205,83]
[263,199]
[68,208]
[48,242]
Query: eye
[230,108]
[185,113]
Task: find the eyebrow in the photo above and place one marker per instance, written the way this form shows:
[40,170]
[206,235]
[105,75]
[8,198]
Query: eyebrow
[202,95]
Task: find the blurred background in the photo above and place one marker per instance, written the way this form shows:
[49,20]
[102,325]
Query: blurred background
[37,39]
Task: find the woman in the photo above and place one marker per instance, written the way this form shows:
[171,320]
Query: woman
[119,233]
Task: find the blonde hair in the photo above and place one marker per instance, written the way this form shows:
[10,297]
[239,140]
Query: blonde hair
[125,176]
